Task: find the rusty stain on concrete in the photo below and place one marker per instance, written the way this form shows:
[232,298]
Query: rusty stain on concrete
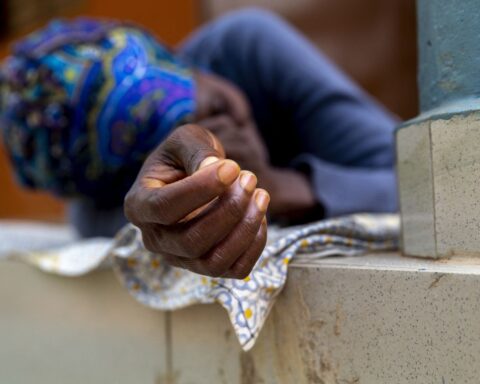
[312,376]
[338,320]
[355,380]
[248,373]
[312,324]
[167,378]
[328,369]
[222,375]
[435,281]
[460,260]
[316,324]
[227,334]
[305,310]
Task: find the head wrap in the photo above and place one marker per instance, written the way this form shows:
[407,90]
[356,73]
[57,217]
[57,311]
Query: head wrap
[83,102]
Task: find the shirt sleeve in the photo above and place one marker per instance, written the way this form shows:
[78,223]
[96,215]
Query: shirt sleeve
[342,190]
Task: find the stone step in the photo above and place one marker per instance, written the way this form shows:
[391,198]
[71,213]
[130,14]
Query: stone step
[56,330]
[370,319]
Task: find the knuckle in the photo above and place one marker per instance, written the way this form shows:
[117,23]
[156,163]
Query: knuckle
[213,272]
[153,239]
[187,131]
[193,144]
[215,268]
[161,206]
[192,244]
[241,271]
[249,226]
[234,206]
[244,267]
[179,132]
[177,139]
[149,242]
[191,128]
[194,158]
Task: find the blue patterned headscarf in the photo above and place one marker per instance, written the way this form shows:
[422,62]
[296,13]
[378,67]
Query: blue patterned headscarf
[83,102]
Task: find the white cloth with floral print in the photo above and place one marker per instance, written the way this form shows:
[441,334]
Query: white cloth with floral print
[248,301]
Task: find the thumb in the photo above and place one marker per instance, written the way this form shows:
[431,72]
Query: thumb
[193,147]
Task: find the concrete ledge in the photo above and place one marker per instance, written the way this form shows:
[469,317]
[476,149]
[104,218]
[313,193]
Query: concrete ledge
[372,319]
[76,330]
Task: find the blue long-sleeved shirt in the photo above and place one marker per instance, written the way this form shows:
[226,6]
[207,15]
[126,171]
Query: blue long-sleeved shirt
[310,115]
[306,109]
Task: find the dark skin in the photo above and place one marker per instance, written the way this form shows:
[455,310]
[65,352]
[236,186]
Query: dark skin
[224,110]
[201,211]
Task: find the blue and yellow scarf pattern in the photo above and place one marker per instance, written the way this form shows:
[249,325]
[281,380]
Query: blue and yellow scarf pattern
[83,102]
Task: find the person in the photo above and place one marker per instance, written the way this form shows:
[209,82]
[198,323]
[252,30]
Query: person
[243,115]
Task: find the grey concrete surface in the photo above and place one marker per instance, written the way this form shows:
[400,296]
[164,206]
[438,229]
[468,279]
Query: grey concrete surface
[371,319]
[57,330]
[375,319]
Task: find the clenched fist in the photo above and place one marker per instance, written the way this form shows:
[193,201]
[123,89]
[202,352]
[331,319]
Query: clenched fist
[198,210]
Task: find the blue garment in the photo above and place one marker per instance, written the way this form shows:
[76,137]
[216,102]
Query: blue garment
[84,101]
[310,115]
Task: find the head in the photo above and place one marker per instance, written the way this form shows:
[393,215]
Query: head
[83,102]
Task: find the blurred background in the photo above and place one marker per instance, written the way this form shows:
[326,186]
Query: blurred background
[374,41]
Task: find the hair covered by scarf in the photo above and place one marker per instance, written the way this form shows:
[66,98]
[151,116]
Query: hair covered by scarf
[83,102]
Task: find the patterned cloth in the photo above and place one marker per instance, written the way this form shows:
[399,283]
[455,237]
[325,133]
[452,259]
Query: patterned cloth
[248,301]
[83,102]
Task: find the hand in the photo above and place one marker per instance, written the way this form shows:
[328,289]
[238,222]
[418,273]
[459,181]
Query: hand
[199,211]
[291,194]
[242,143]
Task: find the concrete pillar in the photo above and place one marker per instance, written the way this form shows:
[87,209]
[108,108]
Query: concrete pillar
[438,154]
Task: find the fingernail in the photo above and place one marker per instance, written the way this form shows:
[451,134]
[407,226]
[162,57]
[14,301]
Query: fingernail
[262,199]
[248,181]
[207,161]
[228,172]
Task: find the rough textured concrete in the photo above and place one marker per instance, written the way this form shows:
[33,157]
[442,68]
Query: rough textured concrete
[354,320]
[373,319]
[414,168]
[437,158]
[76,330]
[449,53]
[456,174]
[438,166]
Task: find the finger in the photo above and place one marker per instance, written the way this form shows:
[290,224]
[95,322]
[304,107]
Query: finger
[193,239]
[221,258]
[151,241]
[169,204]
[241,266]
[245,264]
